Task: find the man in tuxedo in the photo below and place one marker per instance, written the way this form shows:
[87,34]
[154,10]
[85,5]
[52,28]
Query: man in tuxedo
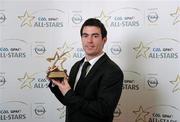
[91,96]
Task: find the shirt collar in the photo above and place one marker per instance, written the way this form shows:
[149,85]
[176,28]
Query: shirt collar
[94,60]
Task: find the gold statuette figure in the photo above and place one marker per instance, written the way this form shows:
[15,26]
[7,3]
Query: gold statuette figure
[55,71]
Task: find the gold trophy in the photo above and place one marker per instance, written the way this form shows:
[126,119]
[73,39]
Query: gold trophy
[55,71]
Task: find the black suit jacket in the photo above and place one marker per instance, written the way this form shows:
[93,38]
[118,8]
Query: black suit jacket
[94,99]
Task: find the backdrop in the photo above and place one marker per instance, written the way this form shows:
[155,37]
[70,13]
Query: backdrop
[143,39]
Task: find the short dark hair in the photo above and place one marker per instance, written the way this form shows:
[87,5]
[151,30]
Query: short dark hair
[97,23]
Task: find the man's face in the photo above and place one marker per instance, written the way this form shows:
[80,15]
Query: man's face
[92,41]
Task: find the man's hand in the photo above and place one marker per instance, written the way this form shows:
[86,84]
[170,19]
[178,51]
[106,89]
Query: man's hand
[63,86]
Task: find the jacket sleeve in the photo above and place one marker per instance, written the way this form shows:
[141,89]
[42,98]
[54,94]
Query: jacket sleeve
[55,90]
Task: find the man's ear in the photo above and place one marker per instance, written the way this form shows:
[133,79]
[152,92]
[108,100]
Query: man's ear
[105,39]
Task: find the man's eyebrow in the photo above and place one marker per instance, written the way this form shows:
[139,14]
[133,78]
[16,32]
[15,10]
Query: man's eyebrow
[91,34]
[95,34]
[84,34]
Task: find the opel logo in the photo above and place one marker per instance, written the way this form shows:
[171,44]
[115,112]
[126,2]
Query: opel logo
[2,80]
[2,17]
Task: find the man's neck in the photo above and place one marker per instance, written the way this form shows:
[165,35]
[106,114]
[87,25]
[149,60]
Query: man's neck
[89,57]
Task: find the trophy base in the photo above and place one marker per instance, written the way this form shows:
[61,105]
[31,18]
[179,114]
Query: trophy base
[57,75]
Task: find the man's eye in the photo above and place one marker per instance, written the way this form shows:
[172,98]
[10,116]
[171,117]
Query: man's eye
[96,36]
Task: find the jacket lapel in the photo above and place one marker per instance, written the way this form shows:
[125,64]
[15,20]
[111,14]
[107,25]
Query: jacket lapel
[74,72]
[96,66]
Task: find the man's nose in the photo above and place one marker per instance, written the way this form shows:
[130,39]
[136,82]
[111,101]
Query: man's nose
[90,38]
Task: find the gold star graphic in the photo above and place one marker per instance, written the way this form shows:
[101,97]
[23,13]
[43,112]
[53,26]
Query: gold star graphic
[141,114]
[27,80]
[141,50]
[26,19]
[176,83]
[62,112]
[103,18]
[176,15]
[65,48]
